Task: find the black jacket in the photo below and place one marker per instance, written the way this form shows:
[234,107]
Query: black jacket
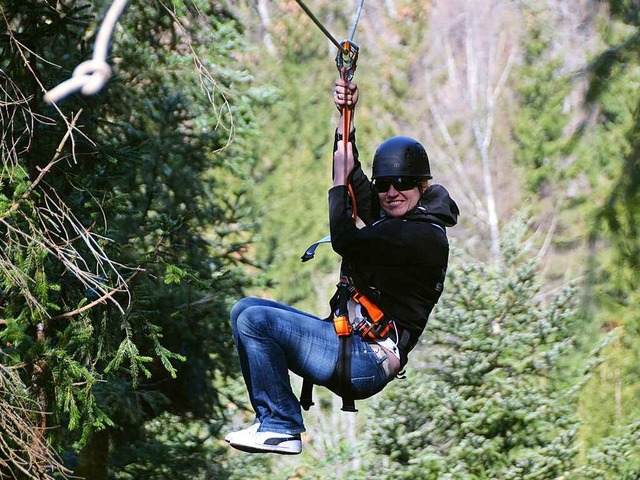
[399,263]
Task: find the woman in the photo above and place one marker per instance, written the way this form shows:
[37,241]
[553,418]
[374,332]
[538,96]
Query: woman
[397,262]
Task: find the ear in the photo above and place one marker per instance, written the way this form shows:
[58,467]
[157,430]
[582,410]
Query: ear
[423,185]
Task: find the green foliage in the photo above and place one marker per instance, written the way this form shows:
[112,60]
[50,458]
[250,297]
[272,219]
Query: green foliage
[613,145]
[24,450]
[293,172]
[616,457]
[541,120]
[181,449]
[152,181]
[614,77]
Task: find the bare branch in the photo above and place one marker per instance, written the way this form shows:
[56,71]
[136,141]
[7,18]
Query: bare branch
[90,305]
[23,452]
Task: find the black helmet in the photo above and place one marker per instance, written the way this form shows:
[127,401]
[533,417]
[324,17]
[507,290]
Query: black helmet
[401,157]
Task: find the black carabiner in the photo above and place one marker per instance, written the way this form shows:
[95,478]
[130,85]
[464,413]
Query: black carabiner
[346,59]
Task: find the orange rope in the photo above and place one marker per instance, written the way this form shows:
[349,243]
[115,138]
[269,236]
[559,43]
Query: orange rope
[346,130]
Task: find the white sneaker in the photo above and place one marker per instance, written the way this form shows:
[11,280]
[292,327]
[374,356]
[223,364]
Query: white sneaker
[253,428]
[253,441]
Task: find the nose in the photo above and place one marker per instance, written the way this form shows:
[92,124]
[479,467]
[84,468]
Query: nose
[392,191]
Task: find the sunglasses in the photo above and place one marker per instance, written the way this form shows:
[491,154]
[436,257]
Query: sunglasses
[401,184]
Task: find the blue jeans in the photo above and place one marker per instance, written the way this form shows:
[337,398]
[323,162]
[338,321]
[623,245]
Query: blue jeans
[272,338]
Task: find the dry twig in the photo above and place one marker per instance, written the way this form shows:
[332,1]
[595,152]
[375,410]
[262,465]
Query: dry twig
[24,453]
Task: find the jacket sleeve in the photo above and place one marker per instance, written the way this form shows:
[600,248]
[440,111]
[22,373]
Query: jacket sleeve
[360,183]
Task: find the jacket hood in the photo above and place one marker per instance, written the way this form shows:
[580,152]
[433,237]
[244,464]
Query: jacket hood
[438,206]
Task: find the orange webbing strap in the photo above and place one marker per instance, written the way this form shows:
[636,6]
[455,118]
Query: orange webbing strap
[346,131]
[375,314]
[378,327]
[354,206]
[342,325]
[341,312]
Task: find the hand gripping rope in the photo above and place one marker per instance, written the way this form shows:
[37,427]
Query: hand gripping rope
[346,61]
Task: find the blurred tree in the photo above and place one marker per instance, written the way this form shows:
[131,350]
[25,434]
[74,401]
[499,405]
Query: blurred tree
[617,456]
[543,86]
[610,147]
[460,88]
[292,175]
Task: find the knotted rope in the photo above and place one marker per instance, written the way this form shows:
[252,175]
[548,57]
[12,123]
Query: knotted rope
[89,77]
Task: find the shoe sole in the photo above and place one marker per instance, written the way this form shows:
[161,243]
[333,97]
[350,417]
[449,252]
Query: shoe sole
[264,449]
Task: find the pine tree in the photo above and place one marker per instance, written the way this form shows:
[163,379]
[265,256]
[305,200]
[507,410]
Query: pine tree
[543,84]
[146,193]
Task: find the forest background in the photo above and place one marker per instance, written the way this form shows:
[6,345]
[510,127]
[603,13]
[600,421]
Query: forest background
[132,219]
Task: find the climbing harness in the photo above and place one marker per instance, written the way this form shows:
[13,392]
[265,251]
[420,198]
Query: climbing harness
[370,323]
[355,314]
[374,325]
[343,329]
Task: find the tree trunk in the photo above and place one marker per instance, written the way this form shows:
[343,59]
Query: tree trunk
[93,461]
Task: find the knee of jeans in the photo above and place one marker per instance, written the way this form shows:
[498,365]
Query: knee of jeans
[236,310]
[239,307]
[250,321]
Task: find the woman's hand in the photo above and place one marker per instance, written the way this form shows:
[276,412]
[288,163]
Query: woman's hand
[345,94]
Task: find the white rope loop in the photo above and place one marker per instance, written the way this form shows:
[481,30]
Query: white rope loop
[89,77]
[96,73]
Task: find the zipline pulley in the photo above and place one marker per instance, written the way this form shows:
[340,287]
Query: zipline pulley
[346,59]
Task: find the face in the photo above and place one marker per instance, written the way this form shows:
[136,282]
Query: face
[397,201]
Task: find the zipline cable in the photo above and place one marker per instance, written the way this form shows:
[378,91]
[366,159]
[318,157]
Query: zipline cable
[355,22]
[346,62]
[320,25]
